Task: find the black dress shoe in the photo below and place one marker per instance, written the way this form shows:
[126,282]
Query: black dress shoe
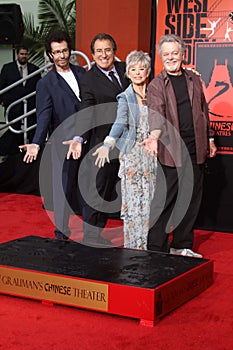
[62,236]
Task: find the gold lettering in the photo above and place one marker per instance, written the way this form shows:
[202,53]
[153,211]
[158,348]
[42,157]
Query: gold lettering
[89,294]
[57,289]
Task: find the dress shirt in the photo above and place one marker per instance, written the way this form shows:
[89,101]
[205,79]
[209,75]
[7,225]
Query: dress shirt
[106,72]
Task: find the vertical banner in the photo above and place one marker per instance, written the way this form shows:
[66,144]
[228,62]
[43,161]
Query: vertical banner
[206,26]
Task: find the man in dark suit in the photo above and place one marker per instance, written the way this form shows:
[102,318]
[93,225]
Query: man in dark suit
[11,73]
[57,99]
[98,94]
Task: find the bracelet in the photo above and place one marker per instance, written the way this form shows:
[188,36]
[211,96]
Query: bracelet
[78,139]
[211,139]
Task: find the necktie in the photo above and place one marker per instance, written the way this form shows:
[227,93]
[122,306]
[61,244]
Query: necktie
[21,71]
[115,80]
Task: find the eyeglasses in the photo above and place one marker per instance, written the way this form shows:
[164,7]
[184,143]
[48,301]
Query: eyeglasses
[101,51]
[60,52]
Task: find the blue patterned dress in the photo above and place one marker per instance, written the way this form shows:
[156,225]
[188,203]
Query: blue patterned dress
[138,174]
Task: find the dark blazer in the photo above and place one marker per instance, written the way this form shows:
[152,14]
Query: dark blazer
[99,94]
[55,102]
[97,89]
[9,75]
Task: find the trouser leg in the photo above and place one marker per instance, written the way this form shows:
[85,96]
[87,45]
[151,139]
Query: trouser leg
[187,208]
[162,207]
[98,198]
[63,187]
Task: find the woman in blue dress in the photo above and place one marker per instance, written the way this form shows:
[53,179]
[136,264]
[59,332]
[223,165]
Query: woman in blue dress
[137,168]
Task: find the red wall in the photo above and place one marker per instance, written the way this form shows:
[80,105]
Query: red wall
[128,21]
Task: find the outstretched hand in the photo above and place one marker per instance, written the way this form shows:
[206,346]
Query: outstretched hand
[75,149]
[150,145]
[31,152]
[102,154]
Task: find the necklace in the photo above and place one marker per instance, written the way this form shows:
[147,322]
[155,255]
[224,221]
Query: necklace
[143,99]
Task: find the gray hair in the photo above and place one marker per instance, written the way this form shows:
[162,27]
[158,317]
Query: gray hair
[172,38]
[135,57]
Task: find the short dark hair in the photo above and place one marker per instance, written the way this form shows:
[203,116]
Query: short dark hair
[57,36]
[103,36]
[21,47]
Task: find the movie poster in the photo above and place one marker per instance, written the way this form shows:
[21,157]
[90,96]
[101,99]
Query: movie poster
[206,26]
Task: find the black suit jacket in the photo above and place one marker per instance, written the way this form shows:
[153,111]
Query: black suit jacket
[9,75]
[55,102]
[97,90]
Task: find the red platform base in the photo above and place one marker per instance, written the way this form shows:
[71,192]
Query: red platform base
[140,284]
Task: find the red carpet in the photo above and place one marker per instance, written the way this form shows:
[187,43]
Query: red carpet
[204,323]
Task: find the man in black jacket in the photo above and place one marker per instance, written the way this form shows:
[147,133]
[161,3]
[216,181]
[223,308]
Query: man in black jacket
[99,88]
[11,73]
[57,104]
